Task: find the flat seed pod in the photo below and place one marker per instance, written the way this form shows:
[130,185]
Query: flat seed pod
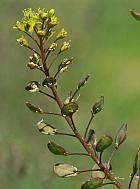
[104,143]
[121,135]
[135,14]
[97,174]
[56,149]
[69,109]
[92,184]
[65,170]
[32,86]
[49,82]
[34,109]
[98,106]
[45,128]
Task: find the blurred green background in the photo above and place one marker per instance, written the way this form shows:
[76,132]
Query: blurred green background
[105,44]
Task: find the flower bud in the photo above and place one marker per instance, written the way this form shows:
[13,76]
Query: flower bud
[32,65]
[92,184]
[20,26]
[53,21]
[65,170]
[22,41]
[34,109]
[121,136]
[65,46]
[49,82]
[56,149]
[69,109]
[32,86]
[46,128]
[52,47]
[62,34]
[98,106]
[51,13]
[64,64]
[41,32]
[103,143]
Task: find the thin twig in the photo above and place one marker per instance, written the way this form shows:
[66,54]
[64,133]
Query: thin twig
[138,185]
[130,183]
[65,134]
[101,153]
[88,170]
[47,94]
[92,116]
[111,156]
[32,39]
[52,113]
[52,62]
[83,154]
[33,50]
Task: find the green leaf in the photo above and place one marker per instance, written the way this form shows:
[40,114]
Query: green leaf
[103,143]
[56,149]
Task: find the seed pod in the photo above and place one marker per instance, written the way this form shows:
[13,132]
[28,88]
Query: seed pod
[121,136]
[104,143]
[49,82]
[135,14]
[65,170]
[46,128]
[98,106]
[32,86]
[69,109]
[92,184]
[136,164]
[56,149]
[97,174]
[83,82]
[34,109]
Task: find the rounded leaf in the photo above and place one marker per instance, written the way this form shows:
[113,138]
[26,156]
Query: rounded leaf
[103,143]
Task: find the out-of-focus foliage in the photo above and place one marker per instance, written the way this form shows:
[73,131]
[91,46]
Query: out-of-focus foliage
[105,44]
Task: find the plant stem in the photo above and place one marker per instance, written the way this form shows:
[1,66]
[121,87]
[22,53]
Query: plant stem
[46,94]
[66,134]
[33,50]
[92,116]
[111,156]
[138,185]
[83,154]
[100,157]
[130,183]
[52,113]
[88,170]
[32,39]
[85,145]
[70,122]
